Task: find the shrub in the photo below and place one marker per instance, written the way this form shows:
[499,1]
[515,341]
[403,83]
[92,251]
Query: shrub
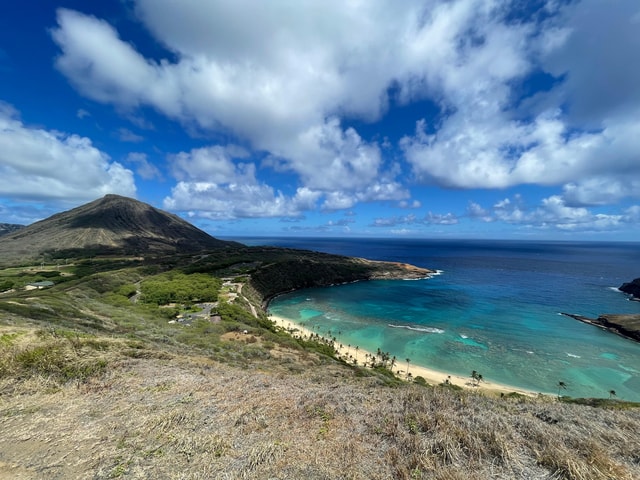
[128,290]
[420,381]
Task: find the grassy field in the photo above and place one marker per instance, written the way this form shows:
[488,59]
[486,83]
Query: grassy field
[95,382]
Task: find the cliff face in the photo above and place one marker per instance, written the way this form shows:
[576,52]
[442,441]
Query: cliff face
[632,288]
[313,269]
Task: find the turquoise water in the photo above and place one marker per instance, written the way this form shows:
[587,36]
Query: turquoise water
[495,309]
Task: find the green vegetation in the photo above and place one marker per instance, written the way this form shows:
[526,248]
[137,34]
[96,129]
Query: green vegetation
[172,287]
[53,354]
[476,378]
[609,403]
[420,381]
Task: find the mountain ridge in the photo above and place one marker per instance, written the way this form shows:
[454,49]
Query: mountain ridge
[112,224]
[7,228]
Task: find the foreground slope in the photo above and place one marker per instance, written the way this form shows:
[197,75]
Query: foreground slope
[288,414]
[109,225]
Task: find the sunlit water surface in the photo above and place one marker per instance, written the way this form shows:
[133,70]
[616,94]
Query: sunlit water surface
[495,309]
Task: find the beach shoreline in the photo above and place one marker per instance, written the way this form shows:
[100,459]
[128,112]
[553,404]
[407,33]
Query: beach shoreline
[431,376]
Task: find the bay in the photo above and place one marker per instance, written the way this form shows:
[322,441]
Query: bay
[494,309]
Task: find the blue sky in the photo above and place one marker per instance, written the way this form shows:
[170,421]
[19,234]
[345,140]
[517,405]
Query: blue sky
[434,118]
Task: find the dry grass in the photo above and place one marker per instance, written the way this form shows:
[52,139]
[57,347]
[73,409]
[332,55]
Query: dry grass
[52,355]
[188,417]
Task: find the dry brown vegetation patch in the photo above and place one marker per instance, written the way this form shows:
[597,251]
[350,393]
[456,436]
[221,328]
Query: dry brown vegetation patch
[188,417]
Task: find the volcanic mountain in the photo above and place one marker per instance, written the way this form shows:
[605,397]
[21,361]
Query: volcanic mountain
[109,225]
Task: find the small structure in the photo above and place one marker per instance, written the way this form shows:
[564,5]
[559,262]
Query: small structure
[39,285]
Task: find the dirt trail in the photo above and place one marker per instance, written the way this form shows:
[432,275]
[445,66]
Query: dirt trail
[253,309]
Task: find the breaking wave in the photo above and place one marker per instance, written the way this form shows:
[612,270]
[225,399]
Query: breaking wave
[418,329]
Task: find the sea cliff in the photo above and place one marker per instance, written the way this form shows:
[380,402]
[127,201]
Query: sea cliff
[312,269]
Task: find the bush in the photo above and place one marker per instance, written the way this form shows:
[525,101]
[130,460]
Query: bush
[420,381]
[128,290]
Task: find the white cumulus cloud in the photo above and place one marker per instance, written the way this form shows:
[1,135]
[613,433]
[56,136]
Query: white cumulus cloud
[554,213]
[286,77]
[283,76]
[49,165]
[216,185]
[579,133]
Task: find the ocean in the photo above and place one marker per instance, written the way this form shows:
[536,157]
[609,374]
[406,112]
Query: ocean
[494,308]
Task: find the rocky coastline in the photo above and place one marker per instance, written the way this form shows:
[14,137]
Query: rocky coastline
[625,325]
[322,270]
[632,288]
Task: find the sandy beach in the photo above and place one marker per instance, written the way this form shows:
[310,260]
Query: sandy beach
[433,377]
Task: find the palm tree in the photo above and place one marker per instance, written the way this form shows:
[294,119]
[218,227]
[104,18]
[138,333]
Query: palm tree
[561,385]
[408,361]
[477,378]
[612,393]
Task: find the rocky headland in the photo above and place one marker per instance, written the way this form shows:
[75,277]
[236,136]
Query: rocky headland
[625,325]
[632,288]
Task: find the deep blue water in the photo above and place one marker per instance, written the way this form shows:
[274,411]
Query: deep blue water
[494,309]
